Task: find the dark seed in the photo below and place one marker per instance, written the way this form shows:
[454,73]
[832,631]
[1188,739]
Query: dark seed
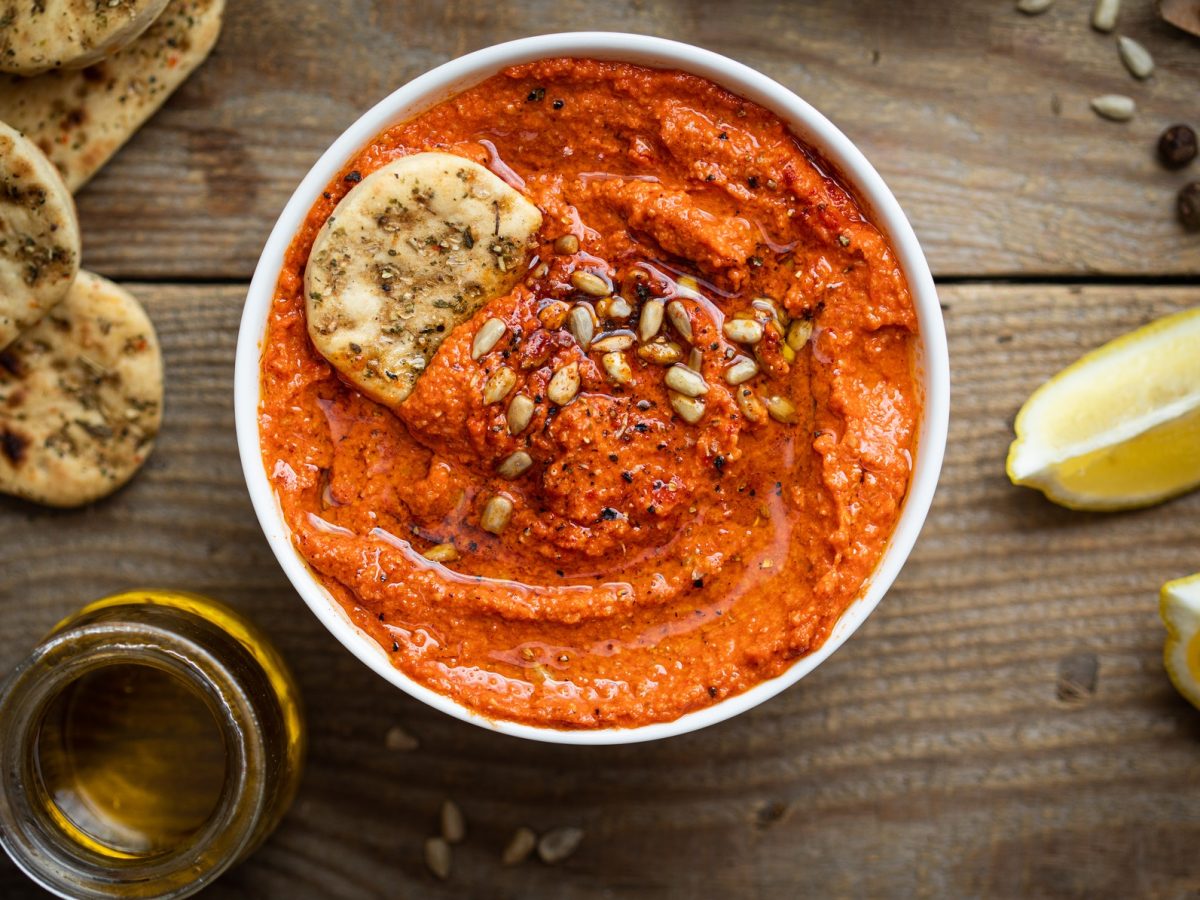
[1188,205]
[1177,146]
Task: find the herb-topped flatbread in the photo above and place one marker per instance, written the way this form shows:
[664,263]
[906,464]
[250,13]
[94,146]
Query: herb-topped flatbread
[39,235]
[80,397]
[80,117]
[38,35]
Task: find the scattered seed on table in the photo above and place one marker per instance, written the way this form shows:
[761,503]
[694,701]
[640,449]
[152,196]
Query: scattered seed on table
[487,337]
[437,857]
[400,740]
[1137,58]
[557,845]
[520,845]
[1104,15]
[454,826]
[1116,107]
[1177,146]
[1034,7]
[1188,205]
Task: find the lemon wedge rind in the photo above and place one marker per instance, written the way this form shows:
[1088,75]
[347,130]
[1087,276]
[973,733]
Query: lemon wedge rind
[1119,428]
[1179,606]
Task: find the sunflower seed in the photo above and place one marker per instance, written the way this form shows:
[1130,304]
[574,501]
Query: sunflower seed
[616,340]
[617,367]
[1104,15]
[690,409]
[661,353]
[497,387]
[650,320]
[619,308]
[520,845]
[487,337]
[781,409]
[743,331]
[1034,7]
[400,740]
[769,306]
[442,553]
[742,370]
[553,315]
[515,466]
[566,245]
[564,385]
[496,514]
[589,283]
[557,845]
[437,857]
[579,323]
[1137,58]
[695,360]
[677,313]
[520,411]
[1117,107]
[454,826]
[798,334]
[752,408]
[685,381]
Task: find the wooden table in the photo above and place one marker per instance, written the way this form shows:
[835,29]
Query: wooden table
[1001,726]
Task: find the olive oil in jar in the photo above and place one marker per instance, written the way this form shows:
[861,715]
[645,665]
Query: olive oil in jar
[133,759]
[152,740]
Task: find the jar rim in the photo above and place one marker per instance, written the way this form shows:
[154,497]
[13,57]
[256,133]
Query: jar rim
[62,863]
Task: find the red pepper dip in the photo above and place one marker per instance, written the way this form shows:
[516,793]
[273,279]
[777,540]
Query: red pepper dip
[663,552]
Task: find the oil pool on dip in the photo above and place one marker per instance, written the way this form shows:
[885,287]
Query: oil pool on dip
[652,460]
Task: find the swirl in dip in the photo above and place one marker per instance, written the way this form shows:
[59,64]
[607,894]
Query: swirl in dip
[663,551]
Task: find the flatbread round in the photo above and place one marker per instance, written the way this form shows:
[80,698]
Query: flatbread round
[410,252]
[39,235]
[38,35]
[80,397]
[80,117]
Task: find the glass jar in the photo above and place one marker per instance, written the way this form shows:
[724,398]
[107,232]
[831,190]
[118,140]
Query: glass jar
[151,741]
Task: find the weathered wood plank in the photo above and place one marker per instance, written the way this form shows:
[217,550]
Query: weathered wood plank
[976,115]
[940,753]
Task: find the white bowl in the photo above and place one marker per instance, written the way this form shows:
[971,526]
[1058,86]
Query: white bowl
[464,72]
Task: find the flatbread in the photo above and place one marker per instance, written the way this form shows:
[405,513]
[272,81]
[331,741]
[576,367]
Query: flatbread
[38,35]
[81,117]
[39,235]
[80,397]
[414,249]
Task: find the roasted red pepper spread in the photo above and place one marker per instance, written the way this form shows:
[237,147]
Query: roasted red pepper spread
[651,565]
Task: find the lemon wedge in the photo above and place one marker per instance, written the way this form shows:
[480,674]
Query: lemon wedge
[1180,611]
[1120,428]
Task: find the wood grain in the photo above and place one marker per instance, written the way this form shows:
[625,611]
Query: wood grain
[1000,727]
[976,115]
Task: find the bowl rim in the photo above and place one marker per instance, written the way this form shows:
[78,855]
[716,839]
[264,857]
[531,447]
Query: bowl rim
[804,120]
